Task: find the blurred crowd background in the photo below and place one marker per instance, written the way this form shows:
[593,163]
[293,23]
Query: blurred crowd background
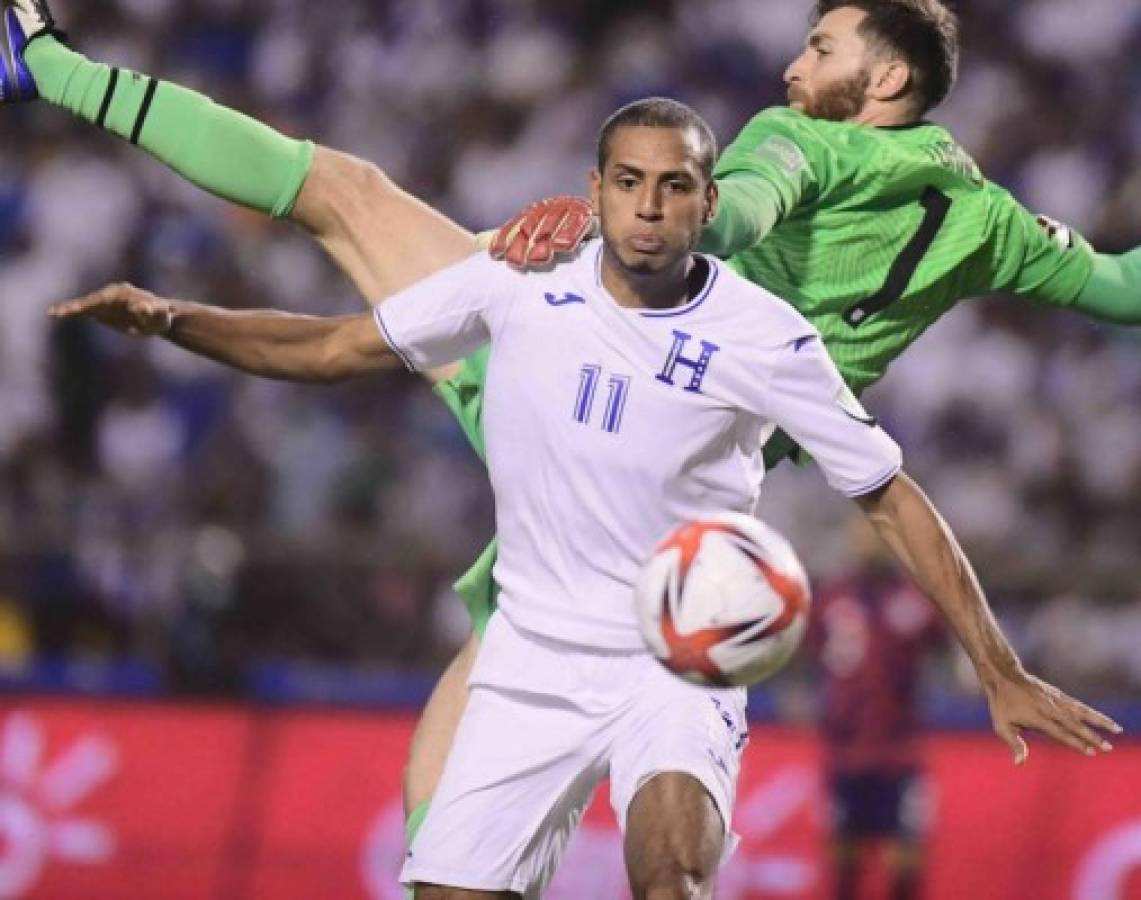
[207,527]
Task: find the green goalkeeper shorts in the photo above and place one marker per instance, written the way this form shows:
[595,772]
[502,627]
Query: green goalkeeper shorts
[464,396]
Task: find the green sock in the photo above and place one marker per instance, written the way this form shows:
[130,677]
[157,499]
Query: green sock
[411,827]
[230,155]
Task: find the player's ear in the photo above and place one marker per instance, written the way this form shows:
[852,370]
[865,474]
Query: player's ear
[595,190]
[712,196]
[890,79]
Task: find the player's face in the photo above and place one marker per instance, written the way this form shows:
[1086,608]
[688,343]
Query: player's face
[830,79]
[652,198]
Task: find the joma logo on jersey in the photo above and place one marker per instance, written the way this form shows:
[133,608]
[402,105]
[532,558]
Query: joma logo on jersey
[699,366]
[555,300]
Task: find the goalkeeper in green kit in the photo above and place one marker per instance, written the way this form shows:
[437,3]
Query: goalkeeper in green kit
[869,219]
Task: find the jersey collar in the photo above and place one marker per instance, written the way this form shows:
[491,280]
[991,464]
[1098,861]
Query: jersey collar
[712,271]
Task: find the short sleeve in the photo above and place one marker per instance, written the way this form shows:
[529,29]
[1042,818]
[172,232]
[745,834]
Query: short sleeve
[779,146]
[1037,257]
[448,315]
[807,398]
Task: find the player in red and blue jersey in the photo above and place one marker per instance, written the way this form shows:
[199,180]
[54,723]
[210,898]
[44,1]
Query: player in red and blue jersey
[871,636]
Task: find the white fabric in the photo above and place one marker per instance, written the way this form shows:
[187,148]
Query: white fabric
[591,454]
[544,725]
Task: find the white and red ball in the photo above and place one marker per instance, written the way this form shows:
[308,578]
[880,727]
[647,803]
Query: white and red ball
[723,601]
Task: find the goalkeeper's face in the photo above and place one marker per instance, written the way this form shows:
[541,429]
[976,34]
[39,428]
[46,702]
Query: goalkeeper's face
[653,197]
[830,79]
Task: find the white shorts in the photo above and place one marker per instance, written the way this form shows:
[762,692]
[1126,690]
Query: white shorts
[545,723]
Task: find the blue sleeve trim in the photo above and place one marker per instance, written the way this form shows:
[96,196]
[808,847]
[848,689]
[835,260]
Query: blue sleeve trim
[863,492]
[404,358]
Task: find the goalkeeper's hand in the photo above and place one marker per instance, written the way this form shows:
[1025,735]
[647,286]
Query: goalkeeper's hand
[548,227]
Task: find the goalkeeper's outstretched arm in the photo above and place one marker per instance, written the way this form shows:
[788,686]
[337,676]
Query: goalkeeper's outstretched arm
[268,343]
[1113,291]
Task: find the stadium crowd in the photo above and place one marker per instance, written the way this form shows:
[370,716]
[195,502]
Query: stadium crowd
[154,506]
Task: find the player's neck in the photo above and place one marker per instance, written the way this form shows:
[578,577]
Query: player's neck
[636,290]
[885,115]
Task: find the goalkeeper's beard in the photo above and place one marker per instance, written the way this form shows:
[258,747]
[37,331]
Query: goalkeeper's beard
[840,101]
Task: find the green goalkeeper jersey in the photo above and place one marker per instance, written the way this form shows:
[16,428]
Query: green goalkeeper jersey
[880,231]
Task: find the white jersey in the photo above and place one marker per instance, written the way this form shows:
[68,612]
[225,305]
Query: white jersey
[606,426]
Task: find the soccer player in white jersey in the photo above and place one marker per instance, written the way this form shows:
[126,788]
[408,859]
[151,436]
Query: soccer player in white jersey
[627,390]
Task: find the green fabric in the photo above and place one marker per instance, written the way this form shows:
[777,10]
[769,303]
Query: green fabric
[228,154]
[780,447]
[747,210]
[478,590]
[463,395]
[1113,291]
[851,195]
[411,829]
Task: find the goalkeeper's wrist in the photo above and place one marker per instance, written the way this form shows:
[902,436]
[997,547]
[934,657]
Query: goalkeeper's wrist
[484,238]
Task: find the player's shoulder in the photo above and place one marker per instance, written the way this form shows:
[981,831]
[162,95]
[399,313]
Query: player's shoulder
[783,122]
[575,266]
[751,312]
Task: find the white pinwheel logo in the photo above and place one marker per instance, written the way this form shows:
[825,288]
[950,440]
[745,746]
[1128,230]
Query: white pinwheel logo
[36,799]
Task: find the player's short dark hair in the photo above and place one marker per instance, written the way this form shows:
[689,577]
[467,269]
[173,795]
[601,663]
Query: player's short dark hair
[660,112]
[923,33]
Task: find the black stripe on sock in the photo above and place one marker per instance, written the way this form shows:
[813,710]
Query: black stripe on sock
[145,108]
[107,95]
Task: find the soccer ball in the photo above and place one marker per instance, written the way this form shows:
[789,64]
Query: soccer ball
[723,601]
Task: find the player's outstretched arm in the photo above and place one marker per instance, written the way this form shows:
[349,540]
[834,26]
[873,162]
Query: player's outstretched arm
[910,525]
[261,342]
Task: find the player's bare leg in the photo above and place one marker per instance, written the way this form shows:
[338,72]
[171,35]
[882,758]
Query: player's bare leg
[442,892]
[674,838]
[436,730]
[379,235]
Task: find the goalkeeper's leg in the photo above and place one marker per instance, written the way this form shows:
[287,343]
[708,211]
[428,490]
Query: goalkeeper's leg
[435,732]
[381,237]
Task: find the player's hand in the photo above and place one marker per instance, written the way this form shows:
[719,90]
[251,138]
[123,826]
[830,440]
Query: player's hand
[532,238]
[123,307]
[1023,701]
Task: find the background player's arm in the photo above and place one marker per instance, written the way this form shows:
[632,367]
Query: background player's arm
[910,525]
[261,342]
